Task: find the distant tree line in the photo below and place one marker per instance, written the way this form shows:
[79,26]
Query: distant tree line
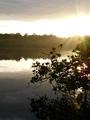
[43,41]
[28,41]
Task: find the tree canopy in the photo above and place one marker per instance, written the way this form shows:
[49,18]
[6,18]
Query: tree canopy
[62,74]
[84,47]
[66,76]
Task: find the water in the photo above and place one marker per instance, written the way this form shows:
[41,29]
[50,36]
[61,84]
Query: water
[14,93]
[14,79]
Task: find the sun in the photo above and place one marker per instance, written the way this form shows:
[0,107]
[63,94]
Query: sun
[74,26]
[83,25]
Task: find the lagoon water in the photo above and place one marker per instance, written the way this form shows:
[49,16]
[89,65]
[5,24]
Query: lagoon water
[14,93]
[14,79]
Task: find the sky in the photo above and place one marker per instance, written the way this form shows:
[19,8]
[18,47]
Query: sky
[59,17]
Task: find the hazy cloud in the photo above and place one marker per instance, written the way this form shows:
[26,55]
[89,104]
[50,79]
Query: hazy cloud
[41,9]
[3,26]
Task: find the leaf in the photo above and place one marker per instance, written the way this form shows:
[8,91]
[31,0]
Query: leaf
[53,49]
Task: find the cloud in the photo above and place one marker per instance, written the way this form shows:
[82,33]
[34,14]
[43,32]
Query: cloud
[3,25]
[41,9]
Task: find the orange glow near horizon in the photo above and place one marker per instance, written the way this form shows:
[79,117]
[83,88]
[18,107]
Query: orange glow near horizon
[61,28]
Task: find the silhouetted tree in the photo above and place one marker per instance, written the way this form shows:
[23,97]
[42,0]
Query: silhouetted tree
[63,75]
[58,109]
[53,109]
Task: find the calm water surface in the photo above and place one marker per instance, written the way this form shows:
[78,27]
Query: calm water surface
[14,78]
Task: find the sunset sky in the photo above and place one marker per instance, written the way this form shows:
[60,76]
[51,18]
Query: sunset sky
[59,17]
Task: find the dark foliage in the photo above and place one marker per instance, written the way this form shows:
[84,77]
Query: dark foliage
[62,74]
[84,47]
[28,41]
[58,109]
[66,78]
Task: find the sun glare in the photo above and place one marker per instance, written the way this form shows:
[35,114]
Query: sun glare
[79,68]
[83,25]
[60,28]
[74,26]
